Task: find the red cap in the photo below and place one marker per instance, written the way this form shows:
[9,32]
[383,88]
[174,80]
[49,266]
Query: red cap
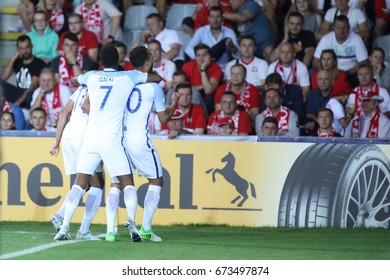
[226,121]
[177,115]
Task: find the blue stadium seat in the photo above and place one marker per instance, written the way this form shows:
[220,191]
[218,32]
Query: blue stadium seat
[184,38]
[135,22]
[136,17]
[176,14]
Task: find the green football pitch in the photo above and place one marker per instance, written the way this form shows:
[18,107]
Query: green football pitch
[34,241]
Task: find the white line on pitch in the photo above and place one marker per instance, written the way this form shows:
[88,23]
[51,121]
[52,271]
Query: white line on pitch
[40,248]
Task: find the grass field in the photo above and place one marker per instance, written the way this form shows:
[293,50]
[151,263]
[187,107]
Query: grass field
[34,241]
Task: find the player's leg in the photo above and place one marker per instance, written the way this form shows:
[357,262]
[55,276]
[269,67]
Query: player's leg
[92,205]
[148,163]
[57,218]
[70,151]
[118,166]
[71,202]
[112,205]
[130,197]
[131,201]
[87,163]
[152,198]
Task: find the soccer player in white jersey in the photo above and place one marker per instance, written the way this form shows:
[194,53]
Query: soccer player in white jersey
[140,148]
[70,129]
[108,92]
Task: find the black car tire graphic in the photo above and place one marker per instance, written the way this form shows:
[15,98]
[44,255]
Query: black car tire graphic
[337,185]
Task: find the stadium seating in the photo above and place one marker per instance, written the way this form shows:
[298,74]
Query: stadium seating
[184,38]
[8,17]
[384,43]
[176,14]
[135,22]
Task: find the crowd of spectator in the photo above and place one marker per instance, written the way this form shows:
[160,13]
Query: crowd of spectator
[251,67]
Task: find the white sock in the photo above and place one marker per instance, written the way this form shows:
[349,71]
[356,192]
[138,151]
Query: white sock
[131,200]
[92,205]
[71,202]
[61,212]
[152,199]
[112,205]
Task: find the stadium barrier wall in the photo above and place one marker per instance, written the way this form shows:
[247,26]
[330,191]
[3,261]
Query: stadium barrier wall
[220,180]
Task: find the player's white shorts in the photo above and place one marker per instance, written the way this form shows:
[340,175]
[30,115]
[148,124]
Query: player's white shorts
[70,153]
[107,148]
[144,156]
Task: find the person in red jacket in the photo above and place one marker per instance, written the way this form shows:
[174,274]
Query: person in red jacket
[328,61]
[204,74]
[88,43]
[241,119]
[193,115]
[248,96]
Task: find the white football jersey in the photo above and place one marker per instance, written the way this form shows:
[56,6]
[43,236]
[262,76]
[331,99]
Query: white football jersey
[142,153]
[139,105]
[75,128]
[108,92]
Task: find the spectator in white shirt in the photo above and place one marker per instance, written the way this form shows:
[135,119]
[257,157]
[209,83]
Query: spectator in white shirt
[292,70]
[369,122]
[169,39]
[256,68]
[161,65]
[348,46]
[357,19]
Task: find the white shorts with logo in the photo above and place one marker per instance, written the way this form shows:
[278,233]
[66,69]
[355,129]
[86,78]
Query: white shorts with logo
[70,153]
[107,148]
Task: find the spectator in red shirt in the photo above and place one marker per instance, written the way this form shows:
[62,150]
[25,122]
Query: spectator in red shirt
[382,18]
[229,109]
[202,14]
[204,74]
[328,61]
[175,126]
[193,120]
[199,17]
[248,96]
[88,44]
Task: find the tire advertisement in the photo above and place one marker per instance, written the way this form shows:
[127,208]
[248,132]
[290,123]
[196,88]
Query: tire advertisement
[349,187]
[284,184]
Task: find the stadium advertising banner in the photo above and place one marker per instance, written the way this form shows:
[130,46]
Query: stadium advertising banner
[297,184]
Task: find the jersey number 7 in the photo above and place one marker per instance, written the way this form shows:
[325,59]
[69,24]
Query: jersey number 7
[108,88]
